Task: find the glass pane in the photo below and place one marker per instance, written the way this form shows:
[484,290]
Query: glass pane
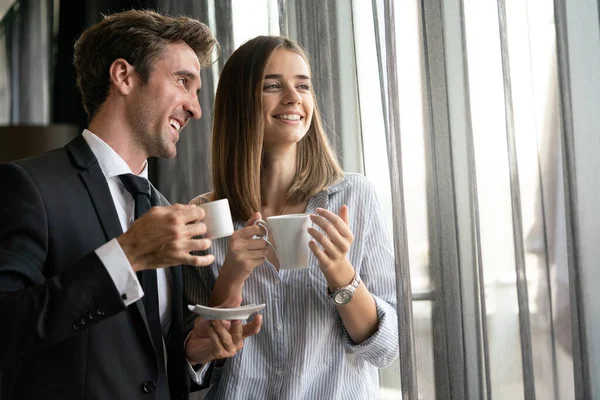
[543,217]
[253,18]
[412,128]
[493,186]
[532,54]
[408,40]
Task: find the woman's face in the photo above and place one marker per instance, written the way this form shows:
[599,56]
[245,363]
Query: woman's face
[287,99]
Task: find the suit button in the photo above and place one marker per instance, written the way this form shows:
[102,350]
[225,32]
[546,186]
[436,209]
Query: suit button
[149,387]
[75,326]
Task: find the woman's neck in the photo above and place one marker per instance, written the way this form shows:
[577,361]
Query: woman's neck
[277,176]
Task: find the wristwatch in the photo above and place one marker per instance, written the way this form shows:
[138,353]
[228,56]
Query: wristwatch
[343,295]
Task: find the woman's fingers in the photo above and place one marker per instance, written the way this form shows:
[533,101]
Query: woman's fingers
[319,253]
[330,231]
[340,225]
[328,247]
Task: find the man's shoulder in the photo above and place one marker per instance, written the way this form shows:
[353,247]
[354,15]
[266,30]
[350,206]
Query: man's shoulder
[46,162]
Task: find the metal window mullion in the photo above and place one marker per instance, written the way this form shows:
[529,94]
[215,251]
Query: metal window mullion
[520,268]
[542,190]
[389,80]
[477,363]
[581,360]
[443,230]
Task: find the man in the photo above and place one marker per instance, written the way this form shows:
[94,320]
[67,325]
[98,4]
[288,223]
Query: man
[77,322]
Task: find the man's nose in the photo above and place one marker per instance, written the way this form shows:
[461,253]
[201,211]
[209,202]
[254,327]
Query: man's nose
[193,107]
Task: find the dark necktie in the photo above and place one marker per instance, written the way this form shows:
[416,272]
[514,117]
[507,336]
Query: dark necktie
[140,191]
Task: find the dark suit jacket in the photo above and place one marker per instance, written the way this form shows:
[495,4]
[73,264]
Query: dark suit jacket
[65,331]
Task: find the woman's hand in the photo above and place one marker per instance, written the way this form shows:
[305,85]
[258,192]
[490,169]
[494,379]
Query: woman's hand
[335,240]
[244,253]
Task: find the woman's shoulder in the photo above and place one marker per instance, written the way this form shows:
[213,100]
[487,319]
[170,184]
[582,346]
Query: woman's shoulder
[202,199]
[357,179]
[353,182]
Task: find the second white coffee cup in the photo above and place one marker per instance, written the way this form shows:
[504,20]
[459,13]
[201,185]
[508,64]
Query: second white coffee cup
[217,219]
[291,239]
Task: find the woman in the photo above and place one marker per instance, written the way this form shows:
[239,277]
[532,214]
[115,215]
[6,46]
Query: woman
[270,156]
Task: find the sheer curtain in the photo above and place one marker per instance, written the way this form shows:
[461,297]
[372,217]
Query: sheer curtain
[489,265]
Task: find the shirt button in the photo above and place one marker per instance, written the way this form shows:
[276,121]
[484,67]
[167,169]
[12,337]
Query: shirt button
[148,387]
[278,327]
[124,296]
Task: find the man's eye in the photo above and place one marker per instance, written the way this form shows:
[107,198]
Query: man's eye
[182,81]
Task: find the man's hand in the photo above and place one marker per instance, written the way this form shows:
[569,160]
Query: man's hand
[164,237]
[212,340]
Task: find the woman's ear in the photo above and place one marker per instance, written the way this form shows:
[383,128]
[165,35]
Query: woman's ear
[122,76]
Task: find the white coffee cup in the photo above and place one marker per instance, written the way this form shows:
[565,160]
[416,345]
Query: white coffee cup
[217,219]
[291,239]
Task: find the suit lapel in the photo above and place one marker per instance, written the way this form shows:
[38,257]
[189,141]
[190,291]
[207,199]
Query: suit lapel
[95,182]
[96,185]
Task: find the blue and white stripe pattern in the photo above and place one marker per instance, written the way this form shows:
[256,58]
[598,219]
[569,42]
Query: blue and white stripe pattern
[302,350]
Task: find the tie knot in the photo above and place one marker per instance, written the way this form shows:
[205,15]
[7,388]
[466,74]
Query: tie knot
[135,184]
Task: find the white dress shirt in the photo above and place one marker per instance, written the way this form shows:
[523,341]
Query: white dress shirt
[111,254]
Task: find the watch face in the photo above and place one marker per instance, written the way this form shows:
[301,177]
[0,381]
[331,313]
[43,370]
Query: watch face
[342,297]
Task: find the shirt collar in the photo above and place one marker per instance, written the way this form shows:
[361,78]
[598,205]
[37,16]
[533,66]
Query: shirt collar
[338,186]
[109,160]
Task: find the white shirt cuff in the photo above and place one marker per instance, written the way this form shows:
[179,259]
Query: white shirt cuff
[116,263]
[197,376]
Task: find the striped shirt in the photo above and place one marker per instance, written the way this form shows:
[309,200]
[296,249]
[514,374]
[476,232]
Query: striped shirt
[303,350]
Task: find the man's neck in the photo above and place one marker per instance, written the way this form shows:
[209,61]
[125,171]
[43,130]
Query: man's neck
[119,138]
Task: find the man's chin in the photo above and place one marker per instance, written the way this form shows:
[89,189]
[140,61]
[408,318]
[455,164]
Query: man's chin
[167,152]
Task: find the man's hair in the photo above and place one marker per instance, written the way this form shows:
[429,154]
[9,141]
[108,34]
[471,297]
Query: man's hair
[137,36]
[238,129]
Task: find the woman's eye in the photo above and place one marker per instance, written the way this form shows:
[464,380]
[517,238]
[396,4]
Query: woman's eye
[304,87]
[272,86]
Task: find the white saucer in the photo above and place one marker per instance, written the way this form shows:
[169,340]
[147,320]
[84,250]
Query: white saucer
[242,312]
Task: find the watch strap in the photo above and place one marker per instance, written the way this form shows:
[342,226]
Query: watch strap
[353,285]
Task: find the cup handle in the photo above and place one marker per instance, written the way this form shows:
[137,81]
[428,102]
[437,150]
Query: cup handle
[265,237]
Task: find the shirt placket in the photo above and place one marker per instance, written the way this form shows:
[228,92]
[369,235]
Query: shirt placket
[279,333]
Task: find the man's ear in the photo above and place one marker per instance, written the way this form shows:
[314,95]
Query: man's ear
[122,76]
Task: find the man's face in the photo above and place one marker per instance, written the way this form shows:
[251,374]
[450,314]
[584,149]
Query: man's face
[161,108]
